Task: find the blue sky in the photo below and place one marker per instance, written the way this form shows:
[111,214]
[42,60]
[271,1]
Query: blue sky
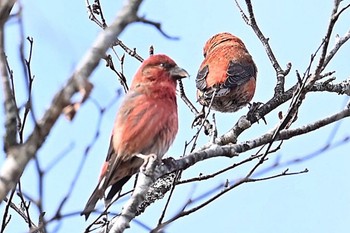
[318,201]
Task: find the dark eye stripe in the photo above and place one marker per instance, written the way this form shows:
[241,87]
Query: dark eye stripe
[166,65]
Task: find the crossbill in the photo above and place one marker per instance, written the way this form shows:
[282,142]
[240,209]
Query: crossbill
[228,72]
[146,123]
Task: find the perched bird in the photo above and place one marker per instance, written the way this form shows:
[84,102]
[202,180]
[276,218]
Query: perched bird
[146,123]
[228,72]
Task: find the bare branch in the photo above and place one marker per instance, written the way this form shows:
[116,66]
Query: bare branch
[6,215]
[185,99]
[5,9]
[215,151]
[131,52]
[10,107]
[121,77]
[206,177]
[144,181]
[95,9]
[339,88]
[29,81]
[234,150]
[19,211]
[157,191]
[158,26]
[226,187]
[340,42]
[333,19]
[280,73]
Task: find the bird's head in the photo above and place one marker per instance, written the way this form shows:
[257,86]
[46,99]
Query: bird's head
[221,39]
[159,68]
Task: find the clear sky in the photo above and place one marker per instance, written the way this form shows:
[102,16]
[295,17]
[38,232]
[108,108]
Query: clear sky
[318,201]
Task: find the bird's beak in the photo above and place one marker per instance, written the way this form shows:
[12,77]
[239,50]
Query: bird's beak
[178,73]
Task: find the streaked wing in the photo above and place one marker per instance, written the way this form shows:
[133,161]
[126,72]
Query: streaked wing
[238,74]
[201,82]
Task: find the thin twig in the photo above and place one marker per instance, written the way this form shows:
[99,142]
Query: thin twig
[174,183]
[158,26]
[121,77]
[340,42]
[131,52]
[29,81]
[6,216]
[244,161]
[280,73]
[225,190]
[333,19]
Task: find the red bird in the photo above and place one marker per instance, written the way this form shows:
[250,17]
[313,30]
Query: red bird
[146,123]
[228,72]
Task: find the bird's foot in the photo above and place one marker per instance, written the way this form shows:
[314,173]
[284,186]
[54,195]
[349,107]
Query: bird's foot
[200,119]
[252,114]
[149,162]
[169,162]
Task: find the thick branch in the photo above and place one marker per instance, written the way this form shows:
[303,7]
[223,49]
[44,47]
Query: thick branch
[231,150]
[340,88]
[5,9]
[170,166]
[9,103]
[246,121]
[333,19]
[144,181]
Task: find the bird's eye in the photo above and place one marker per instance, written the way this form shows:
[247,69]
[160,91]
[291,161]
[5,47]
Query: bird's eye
[165,65]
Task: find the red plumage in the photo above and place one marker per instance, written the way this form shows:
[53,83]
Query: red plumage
[146,123]
[228,70]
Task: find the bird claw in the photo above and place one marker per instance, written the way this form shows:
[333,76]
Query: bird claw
[208,128]
[253,107]
[168,161]
[264,120]
[198,119]
[148,161]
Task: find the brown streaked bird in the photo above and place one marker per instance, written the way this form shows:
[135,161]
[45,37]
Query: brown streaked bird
[146,123]
[228,70]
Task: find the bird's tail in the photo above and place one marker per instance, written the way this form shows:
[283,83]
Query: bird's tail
[115,189]
[91,203]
